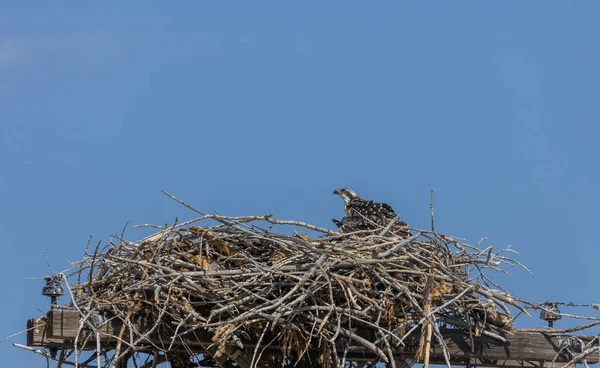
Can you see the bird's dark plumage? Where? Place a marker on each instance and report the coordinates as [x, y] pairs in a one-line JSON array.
[[351, 224], [363, 214]]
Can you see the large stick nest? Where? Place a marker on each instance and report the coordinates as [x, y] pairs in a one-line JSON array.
[[244, 284]]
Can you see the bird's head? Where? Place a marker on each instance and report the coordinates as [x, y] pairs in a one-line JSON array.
[[347, 194]]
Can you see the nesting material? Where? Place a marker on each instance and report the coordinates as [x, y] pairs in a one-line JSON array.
[[243, 283]]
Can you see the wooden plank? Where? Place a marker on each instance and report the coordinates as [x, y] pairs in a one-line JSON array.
[[64, 324], [522, 346], [535, 348], [37, 334]]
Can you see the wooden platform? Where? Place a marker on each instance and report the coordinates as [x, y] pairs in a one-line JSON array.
[[59, 329]]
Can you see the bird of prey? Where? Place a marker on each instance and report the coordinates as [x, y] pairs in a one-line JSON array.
[[362, 214]]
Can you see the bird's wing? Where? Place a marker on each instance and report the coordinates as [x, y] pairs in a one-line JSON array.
[[386, 209], [353, 223], [370, 208]]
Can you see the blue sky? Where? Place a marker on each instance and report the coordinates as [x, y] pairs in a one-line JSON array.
[[267, 107]]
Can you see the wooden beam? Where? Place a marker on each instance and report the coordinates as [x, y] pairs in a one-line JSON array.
[[38, 334], [64, 324], [523, 350]]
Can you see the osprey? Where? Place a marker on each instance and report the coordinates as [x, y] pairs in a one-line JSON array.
[[362, 214]]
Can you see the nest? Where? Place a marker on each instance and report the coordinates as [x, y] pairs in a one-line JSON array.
[[243, 284]]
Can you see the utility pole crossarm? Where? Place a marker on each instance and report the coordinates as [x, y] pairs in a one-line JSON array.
[[524, 349]]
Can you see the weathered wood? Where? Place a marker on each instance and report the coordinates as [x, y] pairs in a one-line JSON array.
[[64, 324], [523, 349], [37, 334]]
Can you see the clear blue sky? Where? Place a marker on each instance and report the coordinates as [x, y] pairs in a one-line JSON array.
[[267, 107]]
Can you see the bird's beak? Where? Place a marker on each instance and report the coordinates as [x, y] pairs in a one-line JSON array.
[[336, 192]]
